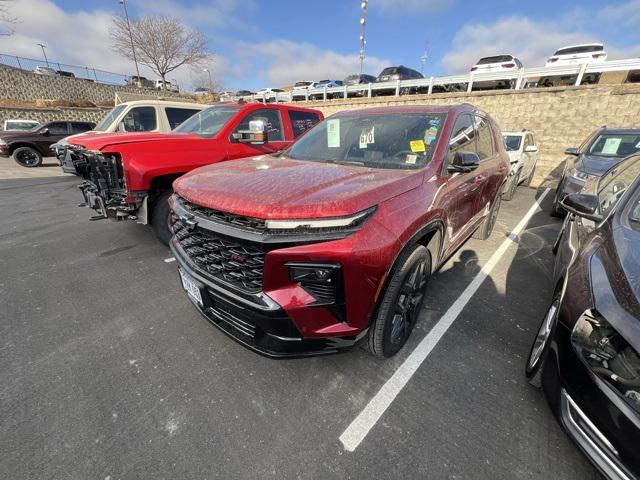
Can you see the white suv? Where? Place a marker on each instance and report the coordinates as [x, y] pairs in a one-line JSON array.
[[577, 55], [495, 64], [523, 153]]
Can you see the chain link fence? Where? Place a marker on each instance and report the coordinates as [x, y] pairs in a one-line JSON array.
[[48, 67]]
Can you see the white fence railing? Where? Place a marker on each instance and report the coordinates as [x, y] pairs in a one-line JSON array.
[[515, 79]]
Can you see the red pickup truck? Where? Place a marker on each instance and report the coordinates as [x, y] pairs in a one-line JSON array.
[[129, 175]]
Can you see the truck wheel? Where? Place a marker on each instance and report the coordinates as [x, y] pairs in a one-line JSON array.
[[484, 230], [160, 217], [27, 157], [508, 195], [527, 182], [401, 303]]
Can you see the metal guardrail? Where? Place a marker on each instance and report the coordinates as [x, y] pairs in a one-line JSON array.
[[85, 73], [516, 79]]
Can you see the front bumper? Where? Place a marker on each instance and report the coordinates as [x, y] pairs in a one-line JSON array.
[[69, 160], [259, 324], [606, 430]]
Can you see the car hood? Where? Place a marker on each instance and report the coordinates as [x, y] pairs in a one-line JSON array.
[[270, 187], [615, 273], [596, 164], [101, 141]]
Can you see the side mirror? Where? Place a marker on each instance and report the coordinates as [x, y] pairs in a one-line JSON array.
[[256, 135], [572, 151], [45, 132], [121, 127], [531, 149], [582, 205], [464, 162]]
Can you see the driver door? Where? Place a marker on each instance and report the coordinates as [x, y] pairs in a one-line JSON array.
[[463, 191], [57, 131], [276, 139]]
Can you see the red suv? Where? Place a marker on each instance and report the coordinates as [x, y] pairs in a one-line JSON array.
[[334, 239], [129, 175]]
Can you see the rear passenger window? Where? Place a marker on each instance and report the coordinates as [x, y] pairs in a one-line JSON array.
[[463, 138], [485, 138], [77, 127], [176, 116], [58, 128], [272, 120], [302, 121], [140, 119]]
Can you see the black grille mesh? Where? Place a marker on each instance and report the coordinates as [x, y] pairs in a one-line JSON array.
[[236, 262], [238, 221]]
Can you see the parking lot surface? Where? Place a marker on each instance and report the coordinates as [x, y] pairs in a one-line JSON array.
[[109, 372], [9, 169]]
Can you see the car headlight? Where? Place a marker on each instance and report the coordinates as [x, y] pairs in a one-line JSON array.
[[322, 224], [608, 355], [2, 142], [574, 172]]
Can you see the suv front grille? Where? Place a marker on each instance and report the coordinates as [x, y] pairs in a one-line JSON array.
[[236, 262], [239, 221]]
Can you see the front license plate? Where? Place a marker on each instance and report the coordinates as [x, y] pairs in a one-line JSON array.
[[191, 287]]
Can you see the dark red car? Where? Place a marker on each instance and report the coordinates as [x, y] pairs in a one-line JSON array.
[[333, 240]]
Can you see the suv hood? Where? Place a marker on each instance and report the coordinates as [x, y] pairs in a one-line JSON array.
[[270, 187], [100, 141], [596, 164]]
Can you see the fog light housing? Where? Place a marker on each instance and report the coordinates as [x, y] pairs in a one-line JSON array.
[[322, 281]]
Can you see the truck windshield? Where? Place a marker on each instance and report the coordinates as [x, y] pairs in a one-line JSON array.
[[398, 141], [109, 118], [209, 122]]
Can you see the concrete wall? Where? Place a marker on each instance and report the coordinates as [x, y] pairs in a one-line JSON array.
[[44, 115], [19, 84], [560, 117]]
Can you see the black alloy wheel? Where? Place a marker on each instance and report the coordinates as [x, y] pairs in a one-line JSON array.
[[540, 347], [27, 157]]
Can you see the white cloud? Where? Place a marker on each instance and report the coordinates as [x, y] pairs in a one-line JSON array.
[[627, 14], [532, 42], [407, 7], [283, 62]]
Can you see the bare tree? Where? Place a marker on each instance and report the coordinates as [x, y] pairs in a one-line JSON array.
[[161, 43], [201, 77], [6, 17]]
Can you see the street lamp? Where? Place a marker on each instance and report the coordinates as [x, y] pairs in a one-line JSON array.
[[210, 81], [424, 57], [363, 24], [133, 48], [43, 46]]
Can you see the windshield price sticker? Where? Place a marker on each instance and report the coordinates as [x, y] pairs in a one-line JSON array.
[[611, 146], [417, 146], [333, 133], [430, 135], [411, 158], [367, 136]]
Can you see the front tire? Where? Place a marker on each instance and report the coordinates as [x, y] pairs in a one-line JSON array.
[[401, 304], [27, 157], [160, 217], [508, 195]]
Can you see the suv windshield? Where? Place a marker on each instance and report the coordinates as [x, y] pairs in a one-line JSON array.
[[209, 122], [109, 118], [512, 142], [583, 49], [496, 59], [399, 141], [389, 71], [615, 145]]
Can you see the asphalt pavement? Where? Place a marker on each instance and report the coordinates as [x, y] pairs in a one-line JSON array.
[[108, 372]]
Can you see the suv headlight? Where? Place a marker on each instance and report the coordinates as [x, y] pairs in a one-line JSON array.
[[608, 355], [2, 142], [331, 224], [574, 172]]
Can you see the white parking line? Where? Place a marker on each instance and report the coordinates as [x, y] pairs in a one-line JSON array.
[[359, 428], [170, 259]]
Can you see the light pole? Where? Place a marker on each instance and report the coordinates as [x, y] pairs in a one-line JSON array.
[[363, 24], [423, 58], [43, 46], [210, 81], [133, 48]]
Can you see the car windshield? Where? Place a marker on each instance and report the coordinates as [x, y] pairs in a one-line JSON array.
[[207, 123], [389, 71], [496, 59], [615, 145], [582, 49], [616, 182], [398, 141], [109, 118], [512, 142]]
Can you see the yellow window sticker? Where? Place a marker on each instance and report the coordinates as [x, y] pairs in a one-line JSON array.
[[417, 146], [333, 133]]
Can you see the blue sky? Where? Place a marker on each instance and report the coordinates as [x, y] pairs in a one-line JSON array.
[[274, 43]]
